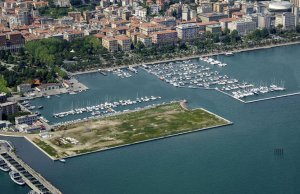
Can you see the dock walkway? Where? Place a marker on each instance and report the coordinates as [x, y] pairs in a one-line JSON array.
[[33, 179]]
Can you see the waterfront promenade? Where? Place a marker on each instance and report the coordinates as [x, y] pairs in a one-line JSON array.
[[33, 179]]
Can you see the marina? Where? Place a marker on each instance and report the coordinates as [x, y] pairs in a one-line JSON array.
[[190, 74]]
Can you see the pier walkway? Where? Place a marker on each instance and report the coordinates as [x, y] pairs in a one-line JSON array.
[[33, 179]]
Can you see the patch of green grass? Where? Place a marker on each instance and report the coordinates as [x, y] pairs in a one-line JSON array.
[[47, 148]]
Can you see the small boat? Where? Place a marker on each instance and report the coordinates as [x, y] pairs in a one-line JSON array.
[[40, 107], [62, 160], [3, 166], [16, 177], [228, 53]]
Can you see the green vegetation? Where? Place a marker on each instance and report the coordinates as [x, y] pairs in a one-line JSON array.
[[131, 127], [47, 148], [3, 85]]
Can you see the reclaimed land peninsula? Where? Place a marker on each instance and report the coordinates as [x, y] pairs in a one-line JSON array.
[[126, 129]]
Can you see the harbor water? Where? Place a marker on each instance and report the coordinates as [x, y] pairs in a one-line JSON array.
[[240, 158]]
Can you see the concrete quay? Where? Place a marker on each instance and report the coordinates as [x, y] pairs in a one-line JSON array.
[[34, 180]]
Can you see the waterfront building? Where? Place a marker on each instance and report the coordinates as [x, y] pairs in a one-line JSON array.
[[48, 87], [146, 40], [164, 37], [28, 128], [124, 42], [287, 20], [265, 21], [110, 43], [187, 31], [243, 26], [208, 17], [4, 124], [26, 119], [24, 88], [148, 28], [9, 108], [214, 29]]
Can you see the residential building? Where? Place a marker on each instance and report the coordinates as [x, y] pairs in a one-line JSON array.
[[154, 9], [208, 17], [73, 34], [75, 15], [214, 29], [110, 43], [164, 37], [124, 42], [26, 119], [242, 26], [205, 8], [287, 20], [12, 41], [188, 31], [24, 88], [266, 21], [148, 28], [48, 87], [146, 40], [166, 21], [9, 108]]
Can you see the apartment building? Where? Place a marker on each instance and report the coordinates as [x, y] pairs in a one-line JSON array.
[[164, 37], [187, 31], [242, 26], [287, 20], [124, 42], [26, 119], [110, 43]]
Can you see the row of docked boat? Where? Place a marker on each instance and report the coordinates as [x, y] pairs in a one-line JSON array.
[[213, 61], [121, 73], [105, 115], [105, 108], [256, 91], [14, 175], [18, 174], [190, 74]]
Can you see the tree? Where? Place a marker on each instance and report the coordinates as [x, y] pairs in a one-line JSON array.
[[298, 28], [234, 36]]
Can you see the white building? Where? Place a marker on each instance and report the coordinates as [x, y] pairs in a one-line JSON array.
[[141, 12], [242, 26]]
